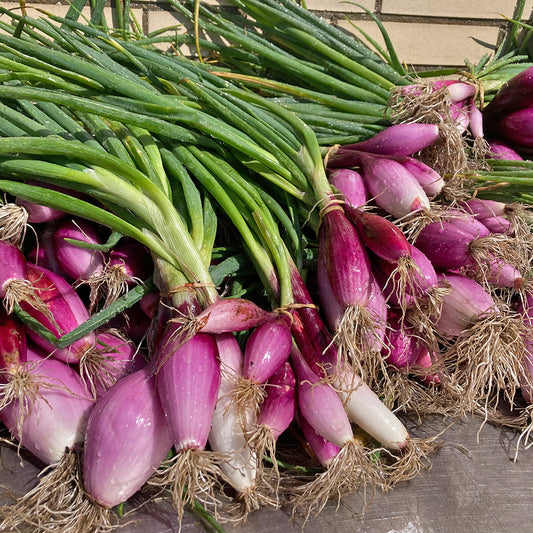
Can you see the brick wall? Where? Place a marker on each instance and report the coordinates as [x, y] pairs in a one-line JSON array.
[[424, 32]]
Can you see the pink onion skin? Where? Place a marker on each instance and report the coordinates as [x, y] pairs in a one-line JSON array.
[[459, 91], [392, 187], [470, 224], [279, 406], [481, 208], [351, 184], [57, 418], [38, 214], [516, 93], [127, 439], [467, 303], [401, 349], [400, 139], [525, 309], [430, 180], [67, 308], [445, 244], [320, 404], [459, 114], [501, 150], [324, 450], [331, 309], [13, 345], [346, 260], [123, 359], [499, 225], [133, 259], [78, 263], [187, 384], [426, 359], [232, 315], [380, 235], [13, 265], [497, 272], [517, 128], [423, 282], [476, 120], [267, 348]]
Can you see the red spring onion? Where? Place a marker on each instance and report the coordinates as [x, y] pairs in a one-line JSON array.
[[400, 349], [12, 347], [266, 350], [77, 262], [53, 417], [498, 224], [66, 309], [275, 415], [117, 463], [465, 304], [188, 379], [230, 428], [324, 450], [487, 355], [380, 235], [38, 214], [459, 90], [392, 187], [445, 244], [278, 408], [15, 288], [320, 404], [430, 180], [421, 285], [128, 263], [517, 128], [351, 184], [482, 208], [346, 261], [515, 94], [501, 150], [120, 358], [231, 315], [400, 139]]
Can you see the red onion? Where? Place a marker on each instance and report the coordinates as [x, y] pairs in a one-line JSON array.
[[127, 439], [430, 180], [229, 428], [400, 139], [498, 224], [381, 236], [231, 315], [12, 346], [445, 244], [267, 348], [52, 418], [66, 308], [188, 379], [345, 258], [37, 214], [78, 263], [278, 408], [392, 187], [501, 150], [120, 358], [515, 94], [466, 303], [517, 128], [351, 184]]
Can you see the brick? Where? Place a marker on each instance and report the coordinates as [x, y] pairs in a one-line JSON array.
[[433, 44], [485, 9]]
